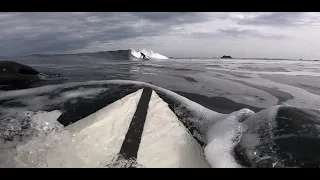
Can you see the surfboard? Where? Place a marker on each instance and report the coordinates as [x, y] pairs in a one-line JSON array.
[[138, 130]]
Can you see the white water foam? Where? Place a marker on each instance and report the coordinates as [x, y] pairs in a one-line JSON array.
[[249, 140], [301, 97], [294, 73], [21, 151], [222, 137], [39, 102], [149, 54], [84, 93]]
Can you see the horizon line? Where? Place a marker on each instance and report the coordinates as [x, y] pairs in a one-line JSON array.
[[171, 57]]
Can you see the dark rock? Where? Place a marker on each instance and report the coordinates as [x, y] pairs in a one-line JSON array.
[[13, 72], [226, 57]]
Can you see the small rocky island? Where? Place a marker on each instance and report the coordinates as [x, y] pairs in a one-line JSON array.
[[226, 57]]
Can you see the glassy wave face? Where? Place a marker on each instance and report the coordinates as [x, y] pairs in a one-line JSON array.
[[241, 114]]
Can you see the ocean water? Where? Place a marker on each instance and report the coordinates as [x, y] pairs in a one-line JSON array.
[[280, 94]]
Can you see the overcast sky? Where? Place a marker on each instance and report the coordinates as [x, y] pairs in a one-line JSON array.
[[180, 34]]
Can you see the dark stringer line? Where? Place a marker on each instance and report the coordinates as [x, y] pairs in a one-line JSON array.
[[131, 143]]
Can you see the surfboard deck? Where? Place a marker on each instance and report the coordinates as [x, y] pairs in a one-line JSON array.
[[138, 128]]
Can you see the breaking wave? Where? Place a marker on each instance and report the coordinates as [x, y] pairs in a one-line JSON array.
[[129, 54], [149, 54]]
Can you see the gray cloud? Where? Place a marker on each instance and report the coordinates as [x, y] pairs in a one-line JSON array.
[[248, 33], [172, 17], [30, 33], [63, 32], [160, 16], [278, 19], [239, 33]]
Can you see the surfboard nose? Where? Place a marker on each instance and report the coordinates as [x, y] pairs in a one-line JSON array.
[[138, 130]]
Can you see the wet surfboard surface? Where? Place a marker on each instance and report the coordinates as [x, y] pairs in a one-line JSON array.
[[138, 130]]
